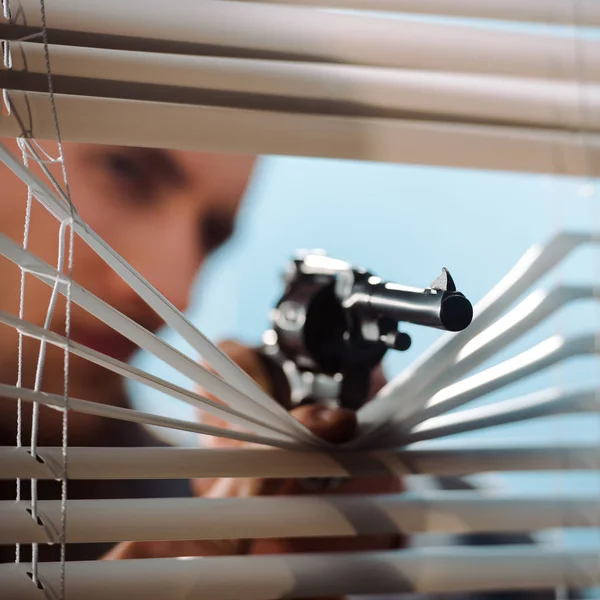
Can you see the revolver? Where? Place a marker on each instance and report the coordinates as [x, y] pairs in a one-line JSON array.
[[335, 322]]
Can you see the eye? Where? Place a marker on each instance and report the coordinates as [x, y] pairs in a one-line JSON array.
[[124, 166], [131, 173]]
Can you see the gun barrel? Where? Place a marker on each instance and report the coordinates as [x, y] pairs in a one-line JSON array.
[[440, 309]]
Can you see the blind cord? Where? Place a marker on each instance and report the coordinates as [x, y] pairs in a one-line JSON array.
[[67, 223], [26, 230]]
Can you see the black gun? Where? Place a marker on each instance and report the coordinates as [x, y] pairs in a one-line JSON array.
[[335, 322]]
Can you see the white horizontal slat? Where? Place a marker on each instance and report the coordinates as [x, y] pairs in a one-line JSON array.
[[185, 463], [582, 13], [292, 517], [307, 88], [252, 30], [137, 123], [533, 406], [304, 576]]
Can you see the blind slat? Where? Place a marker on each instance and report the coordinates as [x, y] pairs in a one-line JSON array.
[[307, 88], [249, 30], [186, 463], [291, 517], [584, 13], [305, 576], [533, 406], [136, 123]]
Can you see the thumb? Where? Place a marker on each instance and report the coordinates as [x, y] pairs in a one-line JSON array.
[[334, 425]]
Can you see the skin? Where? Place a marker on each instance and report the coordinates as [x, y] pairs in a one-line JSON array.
[[164, 212]]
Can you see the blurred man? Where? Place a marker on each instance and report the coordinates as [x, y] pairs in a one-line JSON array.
[[165, 212]]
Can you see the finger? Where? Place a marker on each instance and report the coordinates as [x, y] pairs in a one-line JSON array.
[[334, 425]]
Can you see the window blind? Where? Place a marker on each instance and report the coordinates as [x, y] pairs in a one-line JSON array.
[[295, 80]]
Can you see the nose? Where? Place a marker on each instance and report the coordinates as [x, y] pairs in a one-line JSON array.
[[167, 253]]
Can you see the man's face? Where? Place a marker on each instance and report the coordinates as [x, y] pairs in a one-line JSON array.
[[163, 211]]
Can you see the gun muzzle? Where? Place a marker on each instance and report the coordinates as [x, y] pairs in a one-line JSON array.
[[431, 307], [447, 310]]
